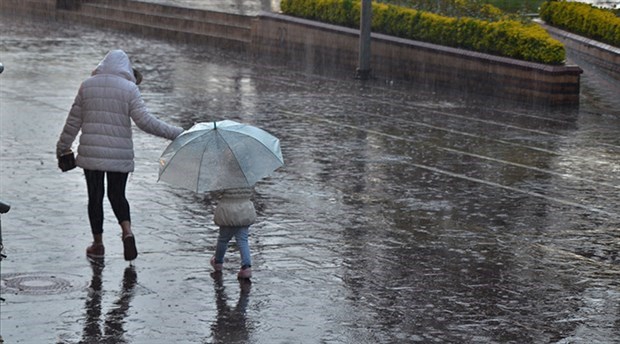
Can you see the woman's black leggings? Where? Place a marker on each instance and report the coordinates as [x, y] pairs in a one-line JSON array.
[[117, 181]]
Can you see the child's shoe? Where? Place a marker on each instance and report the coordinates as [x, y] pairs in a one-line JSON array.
[[245, 273], [216, 266], [95, 250]]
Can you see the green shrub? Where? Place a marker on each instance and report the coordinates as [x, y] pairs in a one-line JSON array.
[[453, 8], [583, 19], [517, 6], [508, 38]]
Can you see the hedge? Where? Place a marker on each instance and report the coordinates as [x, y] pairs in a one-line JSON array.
[[583, 19], [509, 38]]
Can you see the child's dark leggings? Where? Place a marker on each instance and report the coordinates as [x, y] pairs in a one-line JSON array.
[[117, 181]]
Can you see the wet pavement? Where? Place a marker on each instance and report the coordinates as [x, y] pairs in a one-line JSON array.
[[401, 216]]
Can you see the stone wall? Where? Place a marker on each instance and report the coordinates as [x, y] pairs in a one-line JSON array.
[[602, 55]]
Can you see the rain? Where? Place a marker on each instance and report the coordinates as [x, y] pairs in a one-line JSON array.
[[403, 214]]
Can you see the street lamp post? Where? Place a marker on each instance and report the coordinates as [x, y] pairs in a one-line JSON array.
[[363, 70]]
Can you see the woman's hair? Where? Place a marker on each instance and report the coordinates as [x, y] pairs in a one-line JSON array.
[[137, 75]]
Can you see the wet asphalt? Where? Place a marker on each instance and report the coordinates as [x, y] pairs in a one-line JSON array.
[[403, 215]]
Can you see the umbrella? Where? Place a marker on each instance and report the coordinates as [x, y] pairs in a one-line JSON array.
[[220, 155]]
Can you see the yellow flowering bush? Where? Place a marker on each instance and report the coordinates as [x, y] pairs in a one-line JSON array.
[[508, 38], [583, 19]]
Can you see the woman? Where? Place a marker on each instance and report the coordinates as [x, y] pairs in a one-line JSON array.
[[103, 109]]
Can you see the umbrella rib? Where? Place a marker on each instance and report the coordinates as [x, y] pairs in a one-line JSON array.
[[202, 157], [256, 141], [174, 155], [268, 150], [236, 160], [261, 143]]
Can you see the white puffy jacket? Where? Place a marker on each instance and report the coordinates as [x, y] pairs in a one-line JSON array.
[[235, 208], [103, 109]]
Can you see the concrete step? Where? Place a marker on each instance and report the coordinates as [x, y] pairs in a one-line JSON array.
[[176, 23], [31, 7], [174, 11]]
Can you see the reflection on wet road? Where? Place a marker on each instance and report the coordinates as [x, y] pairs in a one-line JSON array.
[[401, 216], [113, 324]]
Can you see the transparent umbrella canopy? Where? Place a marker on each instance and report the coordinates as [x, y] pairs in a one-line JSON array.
[[220, 155]]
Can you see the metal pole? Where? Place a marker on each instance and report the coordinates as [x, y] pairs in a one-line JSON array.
[[363, 70]]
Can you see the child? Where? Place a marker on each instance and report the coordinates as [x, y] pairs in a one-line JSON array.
[[234, 214]]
